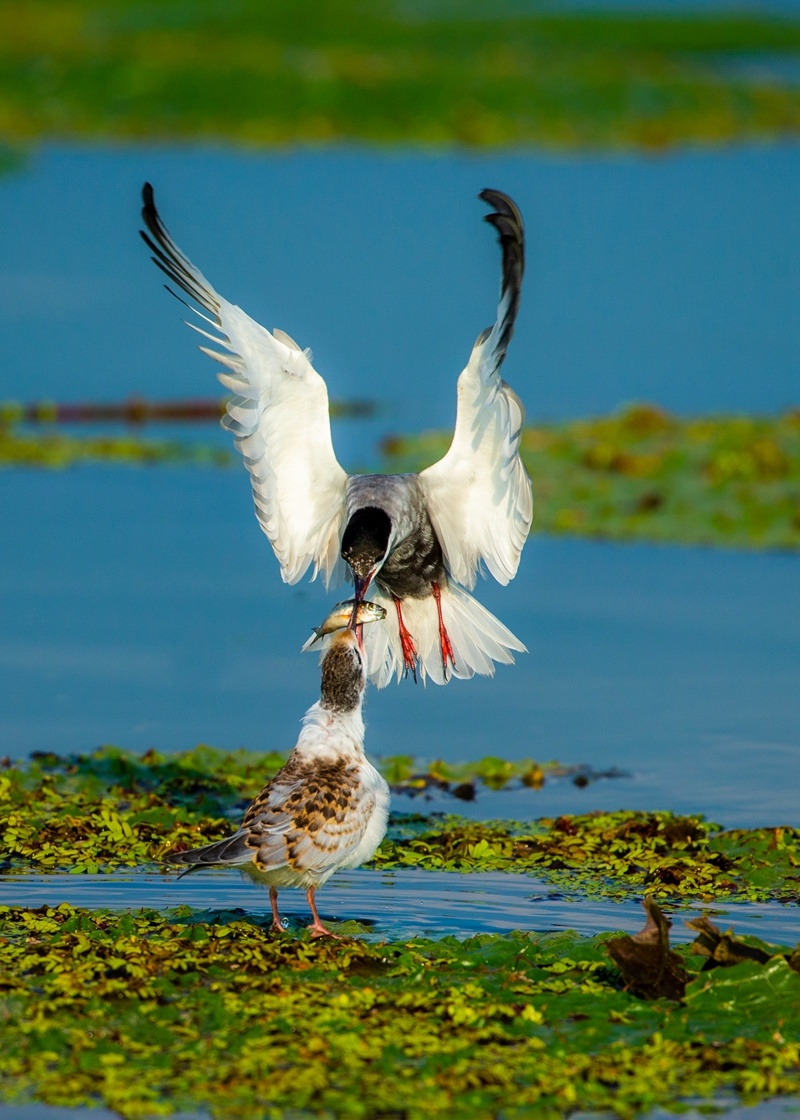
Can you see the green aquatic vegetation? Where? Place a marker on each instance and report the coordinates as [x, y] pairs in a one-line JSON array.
[[641, 474], [307, 72], [150, 1013], [137, 411], [644, 474], [55, 450], [31, 434], [611, 854], [111, 809], [464, 780]]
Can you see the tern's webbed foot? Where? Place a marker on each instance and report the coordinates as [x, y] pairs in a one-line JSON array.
[[317, 929]]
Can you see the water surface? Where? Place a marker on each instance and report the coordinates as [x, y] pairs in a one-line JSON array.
[[672, 278], [144, 608], [395, 905]]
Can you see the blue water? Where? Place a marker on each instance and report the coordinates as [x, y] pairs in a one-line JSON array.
[[397, 904], [672, 279], [144, 607]]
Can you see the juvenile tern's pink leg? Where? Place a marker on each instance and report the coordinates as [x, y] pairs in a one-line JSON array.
[[317, 929], [276, 926]]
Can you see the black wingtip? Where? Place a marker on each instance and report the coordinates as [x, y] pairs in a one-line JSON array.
[[149, 211], [167, 256], [502, 203], [507, 221], [150, 215]]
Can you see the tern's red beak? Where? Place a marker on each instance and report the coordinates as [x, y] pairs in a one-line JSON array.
[[361, 586]]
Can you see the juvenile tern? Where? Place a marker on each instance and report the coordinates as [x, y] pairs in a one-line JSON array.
[[325, 810], [422, 538]]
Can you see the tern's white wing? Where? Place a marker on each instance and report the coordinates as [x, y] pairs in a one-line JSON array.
[[479, 495], [279, 419]]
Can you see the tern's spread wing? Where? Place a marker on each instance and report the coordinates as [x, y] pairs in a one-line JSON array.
[[279, 418], [479, 494]]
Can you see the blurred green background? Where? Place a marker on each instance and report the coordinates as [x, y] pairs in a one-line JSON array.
[[433, 74]]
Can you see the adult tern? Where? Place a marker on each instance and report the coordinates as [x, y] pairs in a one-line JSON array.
[[422, 538], [325, 810]]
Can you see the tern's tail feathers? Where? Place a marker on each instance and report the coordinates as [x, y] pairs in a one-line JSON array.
[[233, 849], [477, 637]]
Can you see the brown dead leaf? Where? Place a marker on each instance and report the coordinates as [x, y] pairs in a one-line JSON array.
[[722, 949], [650, 968]]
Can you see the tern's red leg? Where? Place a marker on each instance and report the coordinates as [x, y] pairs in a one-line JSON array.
[[317, 929], [445, 644], [407, 642], [276, 927]]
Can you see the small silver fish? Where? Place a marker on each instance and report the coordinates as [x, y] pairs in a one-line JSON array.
[[340, 617]]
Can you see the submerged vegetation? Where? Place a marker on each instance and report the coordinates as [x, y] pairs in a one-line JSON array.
[[45, 434], [150, 1013], [310, 72], [640, 474], [109, 809]]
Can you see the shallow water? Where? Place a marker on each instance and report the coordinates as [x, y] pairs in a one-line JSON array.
[[669, 278], [144, 608], [394, 905], [767, 1110]]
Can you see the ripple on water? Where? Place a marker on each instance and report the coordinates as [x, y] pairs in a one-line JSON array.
[[395, 904]]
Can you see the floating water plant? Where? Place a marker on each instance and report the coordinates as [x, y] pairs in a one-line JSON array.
[[644, 474], [150, 1013], [98, 812], [641, 474], [55, 450]]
